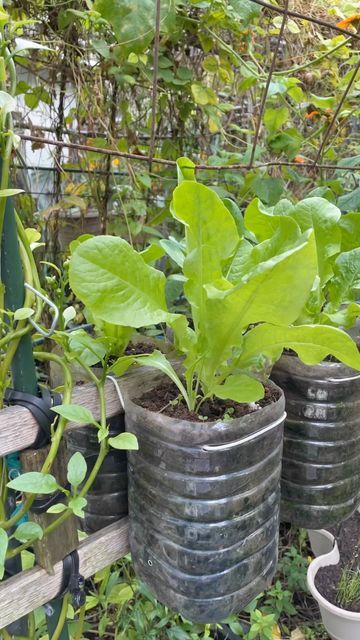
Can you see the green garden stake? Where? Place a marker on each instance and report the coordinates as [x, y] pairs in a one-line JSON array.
[[24, 376]]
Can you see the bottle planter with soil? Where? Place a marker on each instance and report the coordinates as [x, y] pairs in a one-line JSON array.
[[334, 582], [321, 470], [204, 503], [321, 464], [204, 487]]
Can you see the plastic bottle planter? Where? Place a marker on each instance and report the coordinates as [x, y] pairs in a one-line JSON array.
[[204, 508], [107, 499], [339, 623], [321, 462]]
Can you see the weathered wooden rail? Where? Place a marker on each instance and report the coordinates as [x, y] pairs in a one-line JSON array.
[[30, 589], [18, 428]]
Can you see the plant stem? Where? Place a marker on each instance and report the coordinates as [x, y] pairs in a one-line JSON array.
[[100, 384], [80, 627], [300, 67], [32, 626], [12, 70], [23, 238], [62, 619], [56, 436], [64, 516]]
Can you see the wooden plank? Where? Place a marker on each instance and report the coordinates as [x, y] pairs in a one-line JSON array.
[[30, 589], [60, 542], [18, 428]]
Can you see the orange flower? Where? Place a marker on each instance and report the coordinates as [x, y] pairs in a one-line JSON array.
[[343, 24], [299, 159], [312, 114]]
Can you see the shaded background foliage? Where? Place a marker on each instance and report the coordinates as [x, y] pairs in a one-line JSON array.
[[96, 87]]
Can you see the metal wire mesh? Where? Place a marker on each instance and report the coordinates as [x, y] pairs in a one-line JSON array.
[[315, 165]]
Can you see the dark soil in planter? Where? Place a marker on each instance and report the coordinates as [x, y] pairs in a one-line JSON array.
[[163, 399], [138, 348], [327, 578]]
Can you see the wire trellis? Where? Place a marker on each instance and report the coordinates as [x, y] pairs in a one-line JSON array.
[[150, 159], [172, 163]]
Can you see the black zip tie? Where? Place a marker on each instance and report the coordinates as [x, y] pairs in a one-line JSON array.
[[41, 505], [72, 581], [40, 408]]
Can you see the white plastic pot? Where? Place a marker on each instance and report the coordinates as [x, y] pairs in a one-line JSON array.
[[340, 624], [321, 541]]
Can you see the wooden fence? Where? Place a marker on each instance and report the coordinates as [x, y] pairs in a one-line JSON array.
[[24, 592]]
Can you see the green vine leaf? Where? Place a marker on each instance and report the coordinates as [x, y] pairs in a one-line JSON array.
[[76, 469], [125, 441], [28, 531], [57, 508], [75, 413], [34, 482], [23, 314], [77, 506]]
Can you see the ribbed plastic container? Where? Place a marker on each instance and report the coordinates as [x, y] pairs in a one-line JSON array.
[[204, 508], [107, 499], [321, 461]]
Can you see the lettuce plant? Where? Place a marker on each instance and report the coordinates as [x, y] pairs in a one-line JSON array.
[[244, 299], [336, 287]]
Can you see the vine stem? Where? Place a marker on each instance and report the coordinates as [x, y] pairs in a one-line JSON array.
[[267, 85], [62, 618], [55, 439], [64, 516], [155, 83], [310, 63], [81, 620], [100, 384]]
